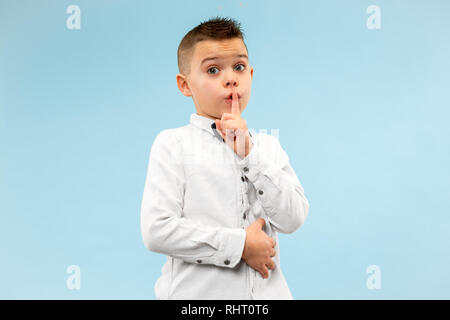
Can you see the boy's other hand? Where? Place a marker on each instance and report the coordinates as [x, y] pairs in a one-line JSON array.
[[233, 128], [259, 249]]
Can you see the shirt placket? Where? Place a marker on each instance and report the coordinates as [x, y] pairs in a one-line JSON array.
[[245, 222], [244, 206]]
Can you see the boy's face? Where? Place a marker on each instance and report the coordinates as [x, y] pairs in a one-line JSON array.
[[211, 81]]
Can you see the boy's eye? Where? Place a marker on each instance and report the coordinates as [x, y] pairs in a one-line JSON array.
[[212, 69], [243, 66], [239, 69]]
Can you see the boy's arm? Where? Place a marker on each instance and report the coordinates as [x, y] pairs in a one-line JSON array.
[[163, 227], [277, 186]]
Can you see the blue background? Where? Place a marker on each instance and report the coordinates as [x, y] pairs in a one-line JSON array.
[[363, 115]]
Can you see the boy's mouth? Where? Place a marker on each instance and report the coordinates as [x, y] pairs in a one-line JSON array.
[[230, 97]]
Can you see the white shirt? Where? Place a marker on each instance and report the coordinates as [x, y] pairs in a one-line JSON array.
[[199, 197]]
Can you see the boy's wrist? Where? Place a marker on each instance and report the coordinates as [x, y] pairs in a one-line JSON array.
[[244, 251]]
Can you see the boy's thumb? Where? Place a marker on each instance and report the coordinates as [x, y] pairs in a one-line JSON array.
[[261, 222]]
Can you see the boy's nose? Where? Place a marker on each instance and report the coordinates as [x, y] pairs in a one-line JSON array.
[[233, 83], [231, 80]]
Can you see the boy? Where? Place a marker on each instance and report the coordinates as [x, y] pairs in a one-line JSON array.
[[215, 195]]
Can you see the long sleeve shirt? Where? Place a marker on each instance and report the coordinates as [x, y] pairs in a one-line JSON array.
[[200, 196]]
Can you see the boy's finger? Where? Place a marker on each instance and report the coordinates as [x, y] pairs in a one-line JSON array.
[[235, 104], [219, 127], [229, 137], [229, 128], [227, 116], [273, 253], [229, 132], [222, 127], [265, 272], [271, 265], [240, 144]]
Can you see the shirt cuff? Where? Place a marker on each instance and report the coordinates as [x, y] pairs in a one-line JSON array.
[[232, 247], [259, 171]]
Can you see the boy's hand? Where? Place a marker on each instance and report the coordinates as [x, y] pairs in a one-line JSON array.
[[259, 249], [234, 130]]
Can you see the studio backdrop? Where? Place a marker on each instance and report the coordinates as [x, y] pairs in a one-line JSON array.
[[356, 92]]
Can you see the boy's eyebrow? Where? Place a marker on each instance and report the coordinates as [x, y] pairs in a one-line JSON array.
[[214, 58]]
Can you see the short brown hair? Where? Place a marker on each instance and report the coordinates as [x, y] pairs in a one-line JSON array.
[[214, 29]]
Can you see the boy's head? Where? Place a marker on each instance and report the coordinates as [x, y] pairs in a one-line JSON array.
[[211, 81]]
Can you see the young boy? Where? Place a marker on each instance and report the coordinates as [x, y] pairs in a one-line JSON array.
[[215, 195]]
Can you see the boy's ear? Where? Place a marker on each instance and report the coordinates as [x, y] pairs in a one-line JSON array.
[[183, 85]]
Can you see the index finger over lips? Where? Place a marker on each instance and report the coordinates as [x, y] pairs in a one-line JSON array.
[[235, 104]]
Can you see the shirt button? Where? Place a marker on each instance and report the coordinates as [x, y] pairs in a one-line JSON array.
[[227, 262], [199, 261], [244, 216], [261, 192], [242, 178], [245, 169]]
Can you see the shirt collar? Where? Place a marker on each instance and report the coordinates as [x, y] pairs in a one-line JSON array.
[[202, 122], [207, 124]]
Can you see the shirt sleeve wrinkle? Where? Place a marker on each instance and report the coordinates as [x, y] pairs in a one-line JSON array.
[[277, 186], [163, 227]]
